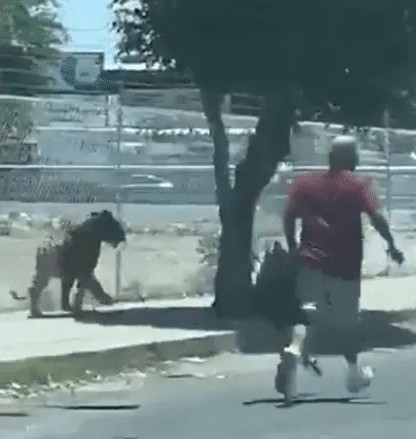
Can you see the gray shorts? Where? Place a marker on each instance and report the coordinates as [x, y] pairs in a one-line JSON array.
[[337, 301]]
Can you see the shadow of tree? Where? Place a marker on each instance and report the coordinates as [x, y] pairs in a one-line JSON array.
[[380, 329]]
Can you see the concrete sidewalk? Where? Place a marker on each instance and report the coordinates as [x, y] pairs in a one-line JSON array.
[[60, 349], [122, 335], [389, 294], [23, 338]]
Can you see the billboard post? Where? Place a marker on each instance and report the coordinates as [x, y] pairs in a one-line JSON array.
[[118, 194]]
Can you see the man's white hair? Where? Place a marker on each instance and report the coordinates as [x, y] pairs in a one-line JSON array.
[[344, 141], [343, 153]]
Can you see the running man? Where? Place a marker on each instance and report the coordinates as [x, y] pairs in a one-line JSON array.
[[329, 204]]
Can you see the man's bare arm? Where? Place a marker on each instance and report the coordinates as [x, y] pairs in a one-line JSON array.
[[381, 225], [369, 204]]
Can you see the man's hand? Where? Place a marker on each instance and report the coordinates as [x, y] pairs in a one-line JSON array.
[[396, 255]]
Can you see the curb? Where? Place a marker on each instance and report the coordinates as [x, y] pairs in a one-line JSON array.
[[11, 408], [78, 366]]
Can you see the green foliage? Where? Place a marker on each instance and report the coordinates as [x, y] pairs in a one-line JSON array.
[[29, 39], [30, 36], [32, 24], [358, 55]]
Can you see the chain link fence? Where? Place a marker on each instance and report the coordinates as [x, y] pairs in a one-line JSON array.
[[37, 201], [65, 156], [83, 153]]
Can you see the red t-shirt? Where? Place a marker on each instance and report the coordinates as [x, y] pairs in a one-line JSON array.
[[330, 204]]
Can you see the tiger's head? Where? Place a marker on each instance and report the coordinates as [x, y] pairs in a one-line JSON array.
[[105, 228]]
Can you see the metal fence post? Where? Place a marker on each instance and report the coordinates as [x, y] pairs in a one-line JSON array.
[[387, 153], [388, 159], [118, 264], [107, 111]]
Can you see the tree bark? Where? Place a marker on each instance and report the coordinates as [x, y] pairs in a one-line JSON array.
[[212, 103], [237, 205]]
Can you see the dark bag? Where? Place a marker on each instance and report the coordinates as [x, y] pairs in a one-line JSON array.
[[275, 288]]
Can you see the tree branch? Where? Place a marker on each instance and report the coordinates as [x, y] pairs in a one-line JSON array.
[[271, 142]]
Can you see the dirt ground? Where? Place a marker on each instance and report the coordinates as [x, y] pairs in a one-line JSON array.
[[152, 267]]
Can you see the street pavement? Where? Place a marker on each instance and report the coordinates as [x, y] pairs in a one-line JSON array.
[[166, 186], [191, 191], [232, 396]]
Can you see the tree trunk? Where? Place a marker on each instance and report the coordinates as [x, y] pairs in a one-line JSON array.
[[237, 205], [233, 285]]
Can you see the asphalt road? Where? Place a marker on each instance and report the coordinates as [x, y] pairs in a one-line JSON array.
[[167, 186], [189, 197], [232, 397], [158, 187]]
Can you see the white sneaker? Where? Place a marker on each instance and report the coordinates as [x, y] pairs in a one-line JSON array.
[[285, 379], [359, 378]]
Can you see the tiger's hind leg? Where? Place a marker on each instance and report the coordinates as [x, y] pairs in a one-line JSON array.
[[82, 285], [66, 284], [39, 283], [79, 298]]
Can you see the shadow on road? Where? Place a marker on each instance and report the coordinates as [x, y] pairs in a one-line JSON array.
[[255, 336], [311, 399]]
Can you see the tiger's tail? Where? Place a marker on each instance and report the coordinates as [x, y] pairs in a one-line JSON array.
[[39, 269]]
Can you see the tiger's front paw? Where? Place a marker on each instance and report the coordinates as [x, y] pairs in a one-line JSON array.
[[35, 313], [107, 300]]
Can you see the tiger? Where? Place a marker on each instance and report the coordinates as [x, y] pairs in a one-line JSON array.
[[74, 258]]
